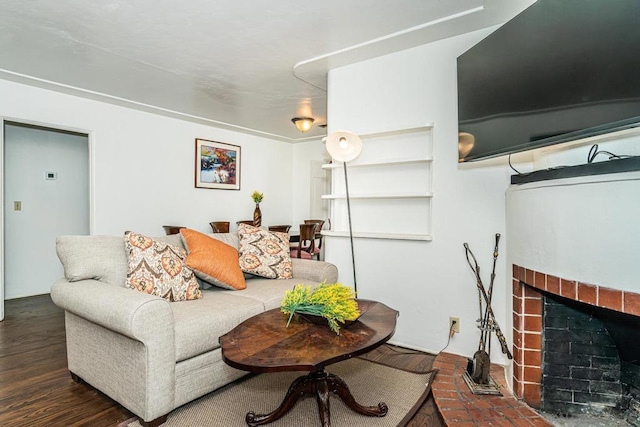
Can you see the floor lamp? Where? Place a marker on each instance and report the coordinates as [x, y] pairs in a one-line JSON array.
[[343, 147]]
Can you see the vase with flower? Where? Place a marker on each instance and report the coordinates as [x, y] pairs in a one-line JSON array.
[[257, 213]]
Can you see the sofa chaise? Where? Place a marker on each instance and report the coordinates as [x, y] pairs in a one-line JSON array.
[[147, 353]]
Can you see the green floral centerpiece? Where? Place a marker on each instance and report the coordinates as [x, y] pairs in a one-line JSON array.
[[334, 302], [257, 196]]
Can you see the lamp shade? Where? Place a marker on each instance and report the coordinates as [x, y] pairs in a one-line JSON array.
[[344, 146]]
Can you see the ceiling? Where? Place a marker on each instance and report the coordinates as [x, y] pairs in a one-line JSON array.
[[245, 65]]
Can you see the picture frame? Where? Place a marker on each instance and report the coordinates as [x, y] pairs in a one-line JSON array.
[[217, 165]]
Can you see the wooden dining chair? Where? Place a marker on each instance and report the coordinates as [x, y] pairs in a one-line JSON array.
[[305, 247], [219, 226], [280, 228], [318, 235], [246, 221], [172, 229], [315, 221]]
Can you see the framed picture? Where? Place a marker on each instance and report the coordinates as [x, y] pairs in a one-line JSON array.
[[217, 165]]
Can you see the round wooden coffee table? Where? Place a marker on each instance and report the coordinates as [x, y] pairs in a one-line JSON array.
[[263, 343]]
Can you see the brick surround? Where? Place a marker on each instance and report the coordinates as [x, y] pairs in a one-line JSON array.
[[527, 321]]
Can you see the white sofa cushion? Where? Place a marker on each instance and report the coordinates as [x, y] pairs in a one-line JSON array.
[[198, 324]]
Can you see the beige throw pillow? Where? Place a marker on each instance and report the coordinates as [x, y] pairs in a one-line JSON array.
[[264, 253], [159, 269]]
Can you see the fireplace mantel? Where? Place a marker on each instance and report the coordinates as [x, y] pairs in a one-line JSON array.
[[599, 168]]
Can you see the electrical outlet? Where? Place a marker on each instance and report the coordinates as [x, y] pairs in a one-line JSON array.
[[454, 324]]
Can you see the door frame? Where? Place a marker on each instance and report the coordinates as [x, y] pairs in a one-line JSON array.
[[54, 127], [316, 166]]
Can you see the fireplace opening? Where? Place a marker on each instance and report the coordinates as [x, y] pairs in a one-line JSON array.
[[590, 361]]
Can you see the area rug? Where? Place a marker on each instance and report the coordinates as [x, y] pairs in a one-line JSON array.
[[370, 383]]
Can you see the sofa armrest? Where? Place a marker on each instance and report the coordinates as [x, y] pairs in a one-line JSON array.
[[317, 271], [135, 314], [148, 372]]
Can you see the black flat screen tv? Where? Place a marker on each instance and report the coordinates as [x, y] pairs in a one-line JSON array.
[[559, 71]]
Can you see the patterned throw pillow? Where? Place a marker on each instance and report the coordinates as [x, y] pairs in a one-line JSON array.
[[213, 261], [158, 268], [264, 253]]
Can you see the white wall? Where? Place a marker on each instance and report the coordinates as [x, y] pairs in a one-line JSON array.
[[143, 164], [49, 208], [425, 281]]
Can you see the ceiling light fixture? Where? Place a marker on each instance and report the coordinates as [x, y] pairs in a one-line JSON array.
[[303, 123]]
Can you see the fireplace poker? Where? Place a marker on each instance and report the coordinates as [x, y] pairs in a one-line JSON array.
[[476, 269], [496, 327], [480, 363], [490, 294]]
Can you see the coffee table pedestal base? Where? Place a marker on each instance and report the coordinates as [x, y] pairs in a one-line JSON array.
[[318, 384]]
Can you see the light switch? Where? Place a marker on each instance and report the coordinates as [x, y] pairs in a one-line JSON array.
[[17, 206]]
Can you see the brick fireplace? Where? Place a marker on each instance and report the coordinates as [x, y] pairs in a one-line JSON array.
[[529, 290]]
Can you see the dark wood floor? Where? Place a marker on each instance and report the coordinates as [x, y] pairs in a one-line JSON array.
[[36, 389]]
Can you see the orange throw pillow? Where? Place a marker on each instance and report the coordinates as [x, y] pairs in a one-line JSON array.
[[213, 261]]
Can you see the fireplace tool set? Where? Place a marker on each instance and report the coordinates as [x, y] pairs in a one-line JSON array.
[[479, 366]]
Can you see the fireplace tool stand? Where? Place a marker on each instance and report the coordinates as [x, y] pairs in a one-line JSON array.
[[477, 374]]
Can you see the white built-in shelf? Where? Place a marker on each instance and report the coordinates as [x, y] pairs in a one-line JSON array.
[[387, 187], [389, 236], [381, 163], [379, 196]]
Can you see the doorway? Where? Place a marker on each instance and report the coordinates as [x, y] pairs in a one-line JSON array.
[[46, 194], [320, 185]]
